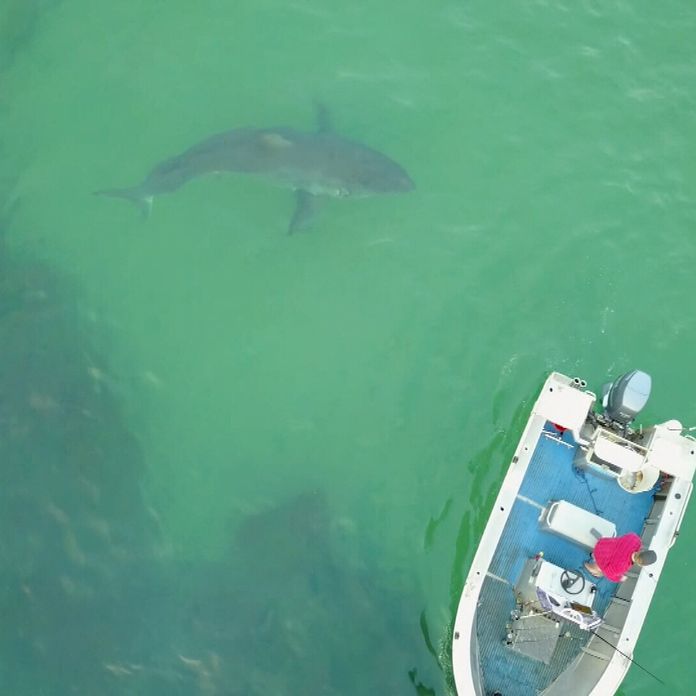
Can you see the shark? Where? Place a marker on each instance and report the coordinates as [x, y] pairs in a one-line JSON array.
[[315, 165]]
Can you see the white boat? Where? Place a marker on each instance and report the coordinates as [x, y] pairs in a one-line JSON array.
[[531, 620]]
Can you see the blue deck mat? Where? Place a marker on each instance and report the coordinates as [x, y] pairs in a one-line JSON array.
[[551, 476]]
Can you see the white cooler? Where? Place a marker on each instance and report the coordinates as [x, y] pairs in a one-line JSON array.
[[575, 524]]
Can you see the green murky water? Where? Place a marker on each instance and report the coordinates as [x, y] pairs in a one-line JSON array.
[[297, 438]]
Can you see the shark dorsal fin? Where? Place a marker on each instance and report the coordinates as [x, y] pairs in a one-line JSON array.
[[324, 123]]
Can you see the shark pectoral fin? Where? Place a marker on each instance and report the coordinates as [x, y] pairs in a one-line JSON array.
[[323, 118], [305, 206], [146, 206], [7, 213]]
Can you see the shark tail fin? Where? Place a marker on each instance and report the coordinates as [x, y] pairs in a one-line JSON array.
[[144, 203]]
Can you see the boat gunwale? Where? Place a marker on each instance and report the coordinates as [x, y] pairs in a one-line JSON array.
[[465, 644]]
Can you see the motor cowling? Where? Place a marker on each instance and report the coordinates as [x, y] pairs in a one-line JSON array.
[[625, 397]]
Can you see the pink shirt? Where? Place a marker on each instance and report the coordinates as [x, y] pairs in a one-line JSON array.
[[614, 555]]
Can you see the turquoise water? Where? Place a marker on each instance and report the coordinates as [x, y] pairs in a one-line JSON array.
[[333, 409]]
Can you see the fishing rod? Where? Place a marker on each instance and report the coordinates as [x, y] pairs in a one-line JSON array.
[[647, 671]]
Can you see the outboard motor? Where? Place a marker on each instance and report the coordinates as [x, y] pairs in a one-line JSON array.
[[625, 397]]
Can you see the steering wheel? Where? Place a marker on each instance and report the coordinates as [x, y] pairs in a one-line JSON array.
[[572, 581]]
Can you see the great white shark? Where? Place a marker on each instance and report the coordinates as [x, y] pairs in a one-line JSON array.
[[313, 164]]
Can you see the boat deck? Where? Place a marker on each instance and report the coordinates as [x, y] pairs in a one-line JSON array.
[[550, 476]]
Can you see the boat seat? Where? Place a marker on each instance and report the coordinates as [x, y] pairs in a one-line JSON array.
[[575, 524]]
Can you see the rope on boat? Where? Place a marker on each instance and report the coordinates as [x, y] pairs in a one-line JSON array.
[[581, 475], [630, 659]]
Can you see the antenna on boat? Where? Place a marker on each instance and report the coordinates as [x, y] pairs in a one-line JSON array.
[[630, 659]]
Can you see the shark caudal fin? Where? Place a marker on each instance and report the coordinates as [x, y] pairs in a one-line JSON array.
[[134, 195]]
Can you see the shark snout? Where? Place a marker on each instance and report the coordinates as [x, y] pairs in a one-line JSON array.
[[397, 179], [399, 183], [393, 180], [406, 183]]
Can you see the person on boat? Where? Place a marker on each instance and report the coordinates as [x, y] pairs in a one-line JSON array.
[[613, 556]]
